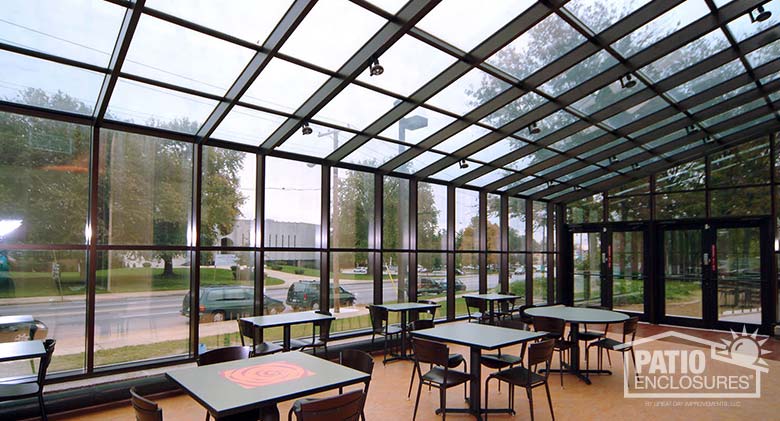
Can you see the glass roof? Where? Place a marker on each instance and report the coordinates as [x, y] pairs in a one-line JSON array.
[[520, 84]]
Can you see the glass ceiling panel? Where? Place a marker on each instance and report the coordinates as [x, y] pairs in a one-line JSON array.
[[283, 86], [702, 83], [680, 150], [419, 162], [605, 97], [516, 183], [514, 110], [374, 153], [636, 112], [721, 98], [41, 83], [151, 106], [410, 64], [461, 139], [767, 79], [557, 166], [355, 107], [742, 27], [746, 125], [249, 20], [613, 144], [579, 172], [468, 92], [692, 53], [599, 15], [666, 139], [577, 139], [454, 171], [734, 112], [539, 46], [179, 56], [560, 193], [531, 159], [247, 126], [599, 179], [774, 96], [764, 54], [321, 143], [490, 177], [499, 149], [331, 33], [465, 24], [650, 128], [536, 189], [83, 30], [661, 27], [550, 124], [584, 70], [417, 125]]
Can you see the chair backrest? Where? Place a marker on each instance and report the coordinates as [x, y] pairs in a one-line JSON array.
[[430, 352], [422, 324], [431, 311], [347, 407], [629, 328], [357, 360], [512, 324], [220, 355], [472, 302], [552, 325], [247, 329], [145, 410], [48, 345], [378, 317], [540, 352]]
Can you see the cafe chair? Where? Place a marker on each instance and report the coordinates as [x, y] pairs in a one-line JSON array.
[[528, 378], [431, 311], [221, 355], [346, 407], [480, 313], [500, 361], [380, 325], [439, 376], [360, 361], [320, 335], [555, 329], [259, 347], [145, 410], [589, 334], [30, 389], [609, 344], [453, 361]]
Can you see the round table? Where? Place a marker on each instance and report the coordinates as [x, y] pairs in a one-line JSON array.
[[574, 316]]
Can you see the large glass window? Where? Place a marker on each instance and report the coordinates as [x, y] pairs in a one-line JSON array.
[[540, 226], [351, 208], [466, 219], [517, 227], [292, 204], [395, 215], [227, 212], [586, 210], [351, 289], [431, 216], [432, 279], [517, 274], [292, 278], [466, 279]]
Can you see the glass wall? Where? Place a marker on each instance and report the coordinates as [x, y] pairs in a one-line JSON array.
[[431, 216]]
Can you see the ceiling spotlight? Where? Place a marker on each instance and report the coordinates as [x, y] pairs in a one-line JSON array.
[[627, 81], [691, 129], [550, 184], [761, 14], [635, 166], [706, 139], [613, 159], [533, 128], [306, 129], [375, 68], [463, 164]]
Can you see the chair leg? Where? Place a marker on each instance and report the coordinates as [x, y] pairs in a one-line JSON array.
[[587, 362], [42, 406], [411, 382], [417, 401], [549, 400], [560, 362], [633, 359], [486, 396], [208, 416], [443, 402], [530, 394]]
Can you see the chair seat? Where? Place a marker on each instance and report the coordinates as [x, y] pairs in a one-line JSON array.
[[518, 376], [608, 343], [20, 390], [562, 344], [454, 360], [267, 348], [496, 361], [454, 378], [299, 343], [590, 335], [392, 330]]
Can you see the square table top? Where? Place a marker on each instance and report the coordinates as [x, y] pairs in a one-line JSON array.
[[492, 296], [22, 350], [16, 319], [287, 319], [239, 386], [408, 306], [477, 335]]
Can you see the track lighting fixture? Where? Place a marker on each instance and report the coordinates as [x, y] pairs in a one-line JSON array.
[[463, 164], [375, 68], [760, 14], [635, 166], [613, 159], [627, 81], [550, 184], [533, 128], [691, 129], [306, 129]]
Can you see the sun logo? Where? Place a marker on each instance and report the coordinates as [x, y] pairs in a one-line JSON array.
[[745, 349]]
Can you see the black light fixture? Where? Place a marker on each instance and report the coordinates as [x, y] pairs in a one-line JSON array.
[[306, 129], [613, 159], [375, 68], [627, 81], [691, 129], [463, 164], [533, 128], [760, 14], [635, 166], [706, 139]]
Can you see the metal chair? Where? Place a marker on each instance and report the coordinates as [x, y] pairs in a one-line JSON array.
[[381, 326], [588, 335], [500, 361], [439, 376], [480, 315], [361, 361], [609, 344], [538, 353], [259, 347], [14, 391], [346, 407], [145, 410], [453, 361], [221, 355], [319, 340], [555, 329]]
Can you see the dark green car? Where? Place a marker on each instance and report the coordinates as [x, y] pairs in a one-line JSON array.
[[221, 303], [305, 295]]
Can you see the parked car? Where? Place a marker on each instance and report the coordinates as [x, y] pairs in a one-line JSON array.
[[219, 303], [428, 286], [460, 285], [15, 332], [305, 295], [360, 270]]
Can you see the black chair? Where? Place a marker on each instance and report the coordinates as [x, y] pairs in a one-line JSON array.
[[14, 391], [480, 313], [259, 347], [439, 376], [528, 378], [221, 355], [361, 361], [454, 359], [319, 339], [588, 334], [609, 344], [431, 311], [555, 330], [500, 361], [346, 407], [145, 410], [380, 325]]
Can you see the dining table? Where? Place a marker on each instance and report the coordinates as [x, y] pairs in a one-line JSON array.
[[404, 309], [490, 299], [286, 321]]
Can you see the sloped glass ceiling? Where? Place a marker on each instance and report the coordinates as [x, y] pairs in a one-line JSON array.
[[518, 90]]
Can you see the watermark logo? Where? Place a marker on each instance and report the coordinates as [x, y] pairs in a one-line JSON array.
[[674, 365]]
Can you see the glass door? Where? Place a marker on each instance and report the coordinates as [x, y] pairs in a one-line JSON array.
[[682, 273], [587, 260], [739, 276], [628, 271]]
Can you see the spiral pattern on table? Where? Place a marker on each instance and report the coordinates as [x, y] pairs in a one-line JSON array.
[[266, 374]]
